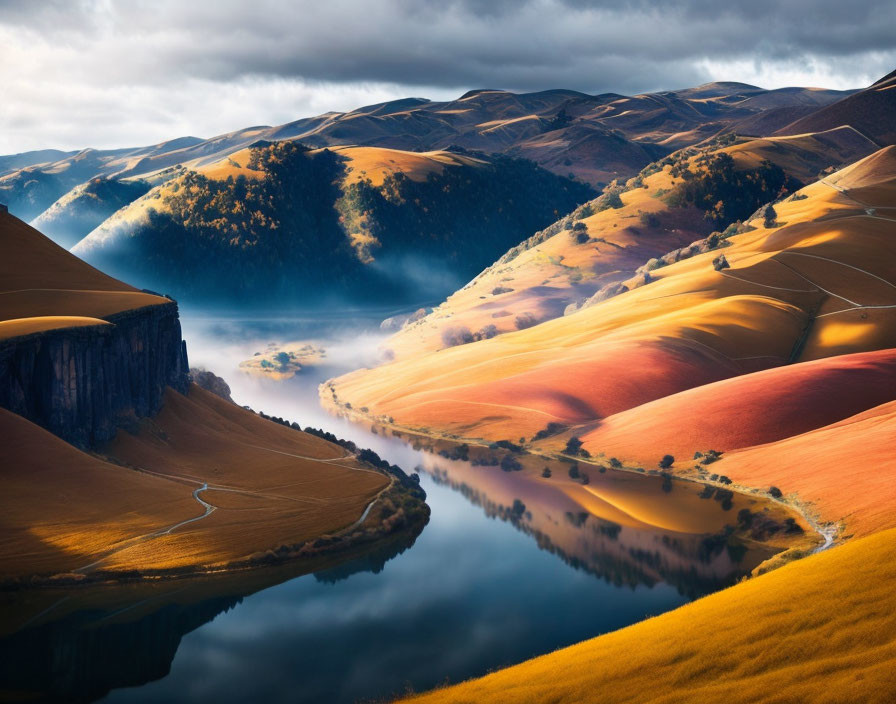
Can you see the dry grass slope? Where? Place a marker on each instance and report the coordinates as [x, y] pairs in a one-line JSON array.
[[818, 630]]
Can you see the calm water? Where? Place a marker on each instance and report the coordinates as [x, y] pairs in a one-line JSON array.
[[483, 586]]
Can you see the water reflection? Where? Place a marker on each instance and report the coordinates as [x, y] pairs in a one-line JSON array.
[[510, 566], [76, 645]]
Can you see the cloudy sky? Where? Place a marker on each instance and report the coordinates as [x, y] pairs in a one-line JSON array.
[[104, 73]]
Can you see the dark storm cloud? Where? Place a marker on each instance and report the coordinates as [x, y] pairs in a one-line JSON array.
[[72, 64], [590, 45]]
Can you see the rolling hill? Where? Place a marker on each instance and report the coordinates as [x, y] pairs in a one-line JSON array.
[[280, 221], [652, 220], [870, 111], [802, 302], [152, 479]]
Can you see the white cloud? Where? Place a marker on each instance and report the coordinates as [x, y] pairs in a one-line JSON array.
[[104, 73]]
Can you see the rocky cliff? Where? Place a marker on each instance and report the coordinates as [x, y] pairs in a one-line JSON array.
[[85, 383]]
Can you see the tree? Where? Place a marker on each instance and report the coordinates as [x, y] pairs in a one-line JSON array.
[[282, 358], [573, 445], [667, 461], [546, 472], [775, 492], [771, 217]]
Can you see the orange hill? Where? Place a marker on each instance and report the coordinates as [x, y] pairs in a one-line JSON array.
[[748, 410], [816, 283]]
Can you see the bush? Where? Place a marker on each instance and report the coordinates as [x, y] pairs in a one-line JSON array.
[[573, 445], [574, 472], [457, 335], [509, 463], [487, 332], [551, 429], [525, 320], [771, 216], [667, 461], [775, 492], [282, 359], [546, 472], [615, 463]]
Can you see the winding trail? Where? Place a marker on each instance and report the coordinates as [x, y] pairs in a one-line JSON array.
[[210, 508]]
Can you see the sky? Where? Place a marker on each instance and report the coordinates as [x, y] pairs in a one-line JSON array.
[[104, 73]]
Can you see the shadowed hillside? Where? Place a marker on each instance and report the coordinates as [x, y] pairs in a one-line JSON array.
[[284, 222], [870, 111]]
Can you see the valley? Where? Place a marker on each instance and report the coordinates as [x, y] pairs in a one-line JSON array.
[[520, 396]]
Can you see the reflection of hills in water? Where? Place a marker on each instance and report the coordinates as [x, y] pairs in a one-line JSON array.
[[565, 521], [79, 644]]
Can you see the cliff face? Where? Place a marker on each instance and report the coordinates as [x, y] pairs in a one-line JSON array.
[[83, 384]]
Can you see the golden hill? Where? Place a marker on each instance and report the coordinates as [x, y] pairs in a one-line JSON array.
[[603, 243], [815, 283], [818, 630], [39, 279], [171, 492], [73, 512]]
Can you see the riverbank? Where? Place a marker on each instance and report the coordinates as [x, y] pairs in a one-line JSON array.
[[785, 527]]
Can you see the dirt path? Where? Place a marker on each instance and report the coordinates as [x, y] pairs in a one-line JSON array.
[[210, 508]]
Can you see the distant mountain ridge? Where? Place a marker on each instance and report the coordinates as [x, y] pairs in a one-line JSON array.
[[596, 139]]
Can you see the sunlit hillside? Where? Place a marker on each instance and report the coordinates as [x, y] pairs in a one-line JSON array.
[[721, 331], [119, 504], [818, 630], [655, 218]]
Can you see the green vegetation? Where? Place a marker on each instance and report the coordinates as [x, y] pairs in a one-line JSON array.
[[726, 194]]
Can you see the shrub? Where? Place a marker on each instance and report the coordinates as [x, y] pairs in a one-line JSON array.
[[615, 463], [791, 526], [546, 472], [487, 332], [458, 335], [551, 429], [667, 461], [574, 472], [771, 216], [649, 219], [573, 445], [509, 463], [282, 359], [775, 492], [519, 508], [525, 320]]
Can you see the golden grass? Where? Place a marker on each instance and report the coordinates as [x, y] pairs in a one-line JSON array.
[[41, 280], [801, 290], [376, 163], [66, 509], [818, 630], [27, 326]]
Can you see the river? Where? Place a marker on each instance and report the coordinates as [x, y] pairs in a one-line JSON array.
[[505, 570]]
